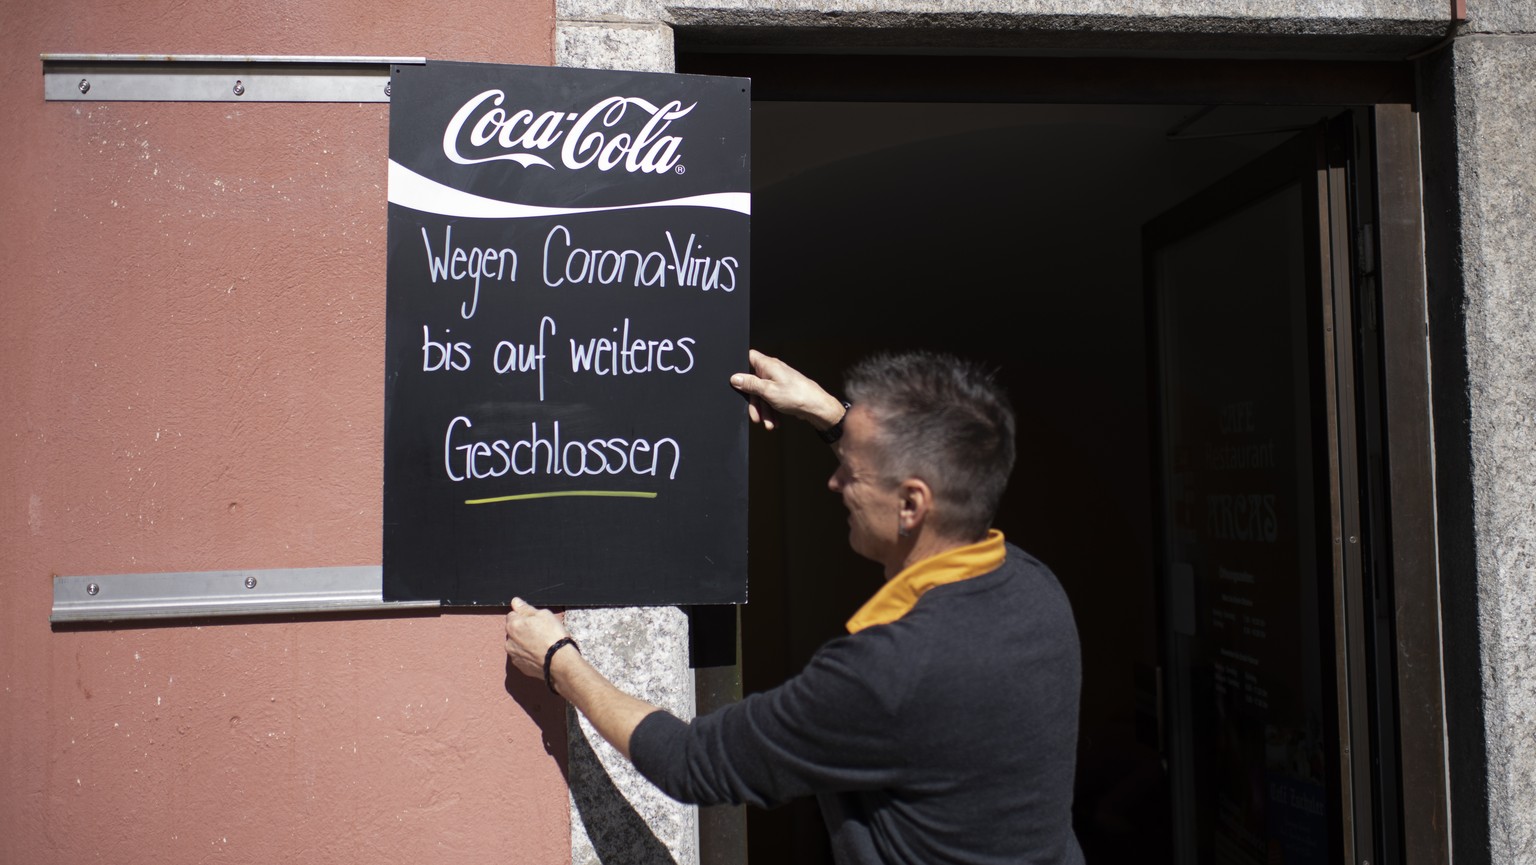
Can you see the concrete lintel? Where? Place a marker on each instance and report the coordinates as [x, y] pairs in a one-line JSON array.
[[1360, 17], [641, 47], [1507, 17], [1377, 29]]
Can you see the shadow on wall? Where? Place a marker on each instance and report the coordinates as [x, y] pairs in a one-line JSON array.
[[546, 711]]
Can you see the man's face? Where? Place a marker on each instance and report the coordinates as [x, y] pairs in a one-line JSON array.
[[873, 505]]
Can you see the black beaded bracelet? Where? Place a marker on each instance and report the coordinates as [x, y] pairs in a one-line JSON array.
[[831, 434], [549, 657]]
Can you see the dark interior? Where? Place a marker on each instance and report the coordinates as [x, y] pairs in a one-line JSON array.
[[1009, 233]]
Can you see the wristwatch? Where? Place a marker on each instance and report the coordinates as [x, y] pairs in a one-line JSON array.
[[831, 434]]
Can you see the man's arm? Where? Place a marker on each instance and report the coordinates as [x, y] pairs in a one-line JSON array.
[[831, 727], [615, 714], [774, 387]]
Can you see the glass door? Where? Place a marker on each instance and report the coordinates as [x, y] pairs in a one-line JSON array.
[[1256, 519]]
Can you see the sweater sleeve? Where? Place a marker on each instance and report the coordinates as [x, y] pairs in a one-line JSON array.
[[830, 728]]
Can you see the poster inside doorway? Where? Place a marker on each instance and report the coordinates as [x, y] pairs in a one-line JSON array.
[[567, 298], [1245, 516]]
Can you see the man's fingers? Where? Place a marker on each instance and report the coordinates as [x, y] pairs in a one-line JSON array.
[[530, 631], [760, 411], [775, 388], [521, 617], [748, 384], [761, 363], [767, 415]]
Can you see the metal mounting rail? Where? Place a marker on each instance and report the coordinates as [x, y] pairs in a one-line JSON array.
[[217, 78], [220, 78], [198, 594]]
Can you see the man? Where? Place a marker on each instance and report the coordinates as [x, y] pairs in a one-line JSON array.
[[944, 727]]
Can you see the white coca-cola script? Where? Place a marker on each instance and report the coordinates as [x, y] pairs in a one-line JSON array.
[[620, 131]]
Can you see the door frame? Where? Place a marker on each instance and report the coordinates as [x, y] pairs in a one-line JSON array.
[[1413, 548], [1391, 250]]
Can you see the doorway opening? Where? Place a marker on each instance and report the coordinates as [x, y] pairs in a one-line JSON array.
[[1010, 232]]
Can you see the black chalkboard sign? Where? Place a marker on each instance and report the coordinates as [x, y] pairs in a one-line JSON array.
[[567, 298]]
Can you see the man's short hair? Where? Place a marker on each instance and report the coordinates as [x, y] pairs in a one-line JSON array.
[[943, 420]]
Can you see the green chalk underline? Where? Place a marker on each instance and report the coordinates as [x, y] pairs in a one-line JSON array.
[[619, 494]]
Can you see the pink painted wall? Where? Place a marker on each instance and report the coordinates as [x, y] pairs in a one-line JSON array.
[[192, 345]]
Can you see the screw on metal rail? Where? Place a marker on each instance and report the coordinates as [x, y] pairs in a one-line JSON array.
[[92, 589], [239, 88], [84, 85], [387, 86], [250, 582]]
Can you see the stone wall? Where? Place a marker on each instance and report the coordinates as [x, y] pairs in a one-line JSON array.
[[1480, 97], [1492, 71]]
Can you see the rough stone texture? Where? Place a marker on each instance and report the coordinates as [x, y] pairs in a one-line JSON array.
[[1495, 80], [617, 817], [610, 10], [614, 45], [1366, 27], [1495, 97], [1325, 14], [1501, 16]]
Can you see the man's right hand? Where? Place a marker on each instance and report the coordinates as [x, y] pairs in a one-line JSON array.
[[530, 633], [775, 388]]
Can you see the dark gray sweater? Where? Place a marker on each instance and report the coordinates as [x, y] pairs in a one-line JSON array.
[[949, 735]]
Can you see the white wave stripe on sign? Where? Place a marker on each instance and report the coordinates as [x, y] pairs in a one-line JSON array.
[[409, 189]]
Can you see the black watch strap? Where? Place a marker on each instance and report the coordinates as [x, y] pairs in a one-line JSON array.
[[831, 434], [549, 658]]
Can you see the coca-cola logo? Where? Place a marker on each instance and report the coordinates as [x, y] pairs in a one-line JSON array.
[[620, 131]]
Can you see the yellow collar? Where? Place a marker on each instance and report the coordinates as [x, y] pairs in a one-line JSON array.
[[900, 593]]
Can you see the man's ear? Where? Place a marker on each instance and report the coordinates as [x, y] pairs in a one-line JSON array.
[[916, 504]]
